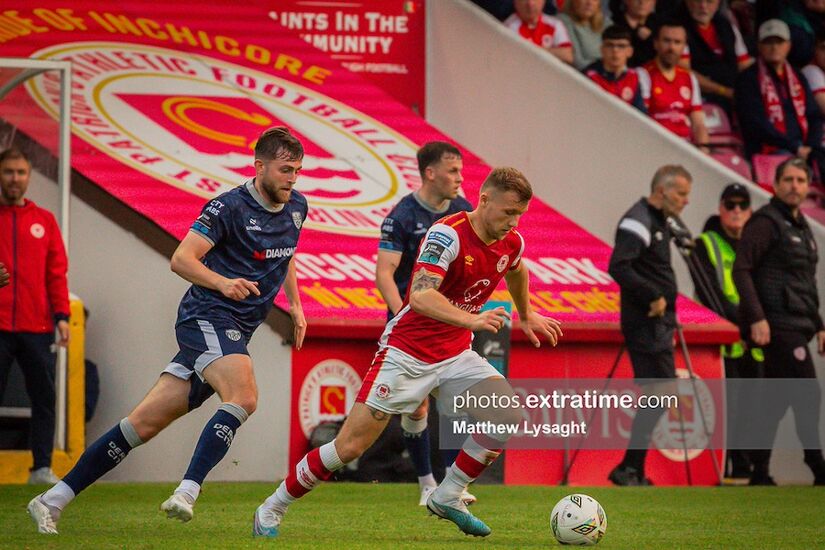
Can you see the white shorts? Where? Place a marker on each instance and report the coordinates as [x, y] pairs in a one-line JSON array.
[[397, 383]]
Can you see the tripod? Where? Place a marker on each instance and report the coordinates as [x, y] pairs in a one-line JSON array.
[[684, 243]]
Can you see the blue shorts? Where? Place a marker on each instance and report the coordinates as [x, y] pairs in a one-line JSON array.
[[202, 342]]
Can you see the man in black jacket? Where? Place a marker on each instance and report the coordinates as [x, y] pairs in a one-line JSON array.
[[640, 264], [716, 51], [775, 272], [715, 253]]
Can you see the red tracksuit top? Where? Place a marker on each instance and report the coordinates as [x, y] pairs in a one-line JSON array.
[[32, 250]]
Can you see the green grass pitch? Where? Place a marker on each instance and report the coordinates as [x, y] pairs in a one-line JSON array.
[[342, 516]]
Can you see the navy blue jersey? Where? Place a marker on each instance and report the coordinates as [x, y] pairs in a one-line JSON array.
[[404, 227], [253, 241]]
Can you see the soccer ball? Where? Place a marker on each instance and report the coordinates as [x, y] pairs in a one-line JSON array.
[[578, 520]]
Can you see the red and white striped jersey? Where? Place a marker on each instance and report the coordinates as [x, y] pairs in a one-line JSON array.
[[471, 271]]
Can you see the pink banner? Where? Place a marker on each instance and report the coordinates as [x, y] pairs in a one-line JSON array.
[[168, 98]]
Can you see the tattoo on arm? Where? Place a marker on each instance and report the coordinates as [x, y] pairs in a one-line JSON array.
[[423, 279], [378, 415]]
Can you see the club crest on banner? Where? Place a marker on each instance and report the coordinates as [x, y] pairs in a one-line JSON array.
[[698, 413], [327, 394], [192, 121]]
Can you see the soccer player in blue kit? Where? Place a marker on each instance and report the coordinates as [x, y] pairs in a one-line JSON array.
[[237, 255]]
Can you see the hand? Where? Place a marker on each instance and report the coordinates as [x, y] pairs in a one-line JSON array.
[[550, 328], [63, 333], [4, 275], [238, 289], [657, 307], [491, 320], [761, 333], [820, 342], [643, 32], [300, 324], [803, 152]]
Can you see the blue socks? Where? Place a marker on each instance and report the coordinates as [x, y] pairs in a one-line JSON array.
[[448, 456], [215, 440], [417, 441], [102, 455]]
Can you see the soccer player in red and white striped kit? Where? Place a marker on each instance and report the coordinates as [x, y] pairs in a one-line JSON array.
[[426, 348]]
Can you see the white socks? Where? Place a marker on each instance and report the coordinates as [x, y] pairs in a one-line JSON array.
[[58, 496], [189, 489]]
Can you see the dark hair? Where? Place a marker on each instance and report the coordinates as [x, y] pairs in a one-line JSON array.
[[669, 22], [796, 162], [14, 153], [819, 37], [617, 32], [666, 176], [279, 143], [432, 152], [508, 179]]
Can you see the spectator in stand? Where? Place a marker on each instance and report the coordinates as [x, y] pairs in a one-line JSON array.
[[638, 17], [544, 30], [611, 72], [815, 72], [715, 52], [774, 103], [715, 252], [672, 93], [804, 18], [34, 304], [502, 9], [585, 22]]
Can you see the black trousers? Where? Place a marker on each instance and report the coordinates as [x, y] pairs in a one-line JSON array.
[[788, 356], [33, 353], [740, 410]]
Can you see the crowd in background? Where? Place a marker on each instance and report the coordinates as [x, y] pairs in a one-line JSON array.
[[731, 76]]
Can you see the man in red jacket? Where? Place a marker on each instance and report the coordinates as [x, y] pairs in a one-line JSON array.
[[34, 300]]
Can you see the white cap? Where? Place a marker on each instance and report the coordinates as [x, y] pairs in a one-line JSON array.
[[774, 28]]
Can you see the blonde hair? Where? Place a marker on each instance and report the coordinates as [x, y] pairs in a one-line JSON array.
[[596, 23], [506, 179]]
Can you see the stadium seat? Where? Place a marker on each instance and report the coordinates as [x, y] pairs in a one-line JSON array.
[[734, 161], [764, 168], [720, 131]]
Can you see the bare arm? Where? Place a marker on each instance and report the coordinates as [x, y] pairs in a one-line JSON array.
[[698, 128], [385, 267], [425, 299], [564, 53], [296, 310], [186, 262], [820, 101], [518, 283]]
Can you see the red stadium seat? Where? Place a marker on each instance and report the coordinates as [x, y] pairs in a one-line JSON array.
[[764, 168], [734, 161], [720, 132]]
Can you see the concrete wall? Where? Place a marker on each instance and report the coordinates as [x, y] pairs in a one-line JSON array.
[[587, 154], [133, 296]]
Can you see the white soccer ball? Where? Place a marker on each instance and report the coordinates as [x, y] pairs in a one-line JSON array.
[[578, 520]]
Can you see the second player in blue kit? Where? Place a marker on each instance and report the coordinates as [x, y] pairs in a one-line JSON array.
[[237, 255]]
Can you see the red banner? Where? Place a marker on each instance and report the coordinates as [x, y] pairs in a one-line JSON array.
[[168, 98], [666, 463], [381, 39]]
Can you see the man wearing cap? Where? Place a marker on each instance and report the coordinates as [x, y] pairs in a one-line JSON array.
[[775, 106], [775, 273], [715, 252]]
